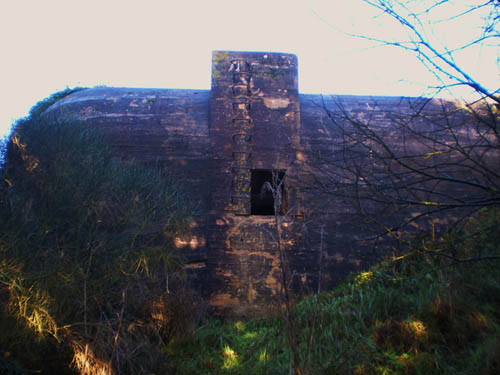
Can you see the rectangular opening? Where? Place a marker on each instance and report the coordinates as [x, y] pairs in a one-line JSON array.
[[267, 189]]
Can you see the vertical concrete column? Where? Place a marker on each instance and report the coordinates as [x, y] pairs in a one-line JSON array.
[[254, 121], [254, 127]]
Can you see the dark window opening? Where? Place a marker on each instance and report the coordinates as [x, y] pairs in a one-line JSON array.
[[263, 185]]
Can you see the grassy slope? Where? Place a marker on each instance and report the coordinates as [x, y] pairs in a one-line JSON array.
[[419, 314]]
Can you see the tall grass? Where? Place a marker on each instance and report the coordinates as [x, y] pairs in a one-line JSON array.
[[435, 310], [87, 266]]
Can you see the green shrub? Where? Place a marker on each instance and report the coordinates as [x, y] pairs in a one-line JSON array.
[[87, 262]]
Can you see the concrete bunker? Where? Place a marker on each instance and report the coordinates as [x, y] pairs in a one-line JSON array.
[[227, 143]]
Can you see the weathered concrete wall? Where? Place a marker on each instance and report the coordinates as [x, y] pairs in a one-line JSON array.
[[169, 127], [432, 136], [254, 119]]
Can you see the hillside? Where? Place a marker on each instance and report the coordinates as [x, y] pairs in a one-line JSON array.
[[92, 282], [435, 310]]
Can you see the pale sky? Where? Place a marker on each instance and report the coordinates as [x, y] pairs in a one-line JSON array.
[[50, 45]]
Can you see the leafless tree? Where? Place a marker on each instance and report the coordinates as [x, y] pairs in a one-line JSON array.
[[423, 159], [441, 35]]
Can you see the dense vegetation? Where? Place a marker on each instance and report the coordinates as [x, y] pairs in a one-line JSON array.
[[89, 280], [435, 310]]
